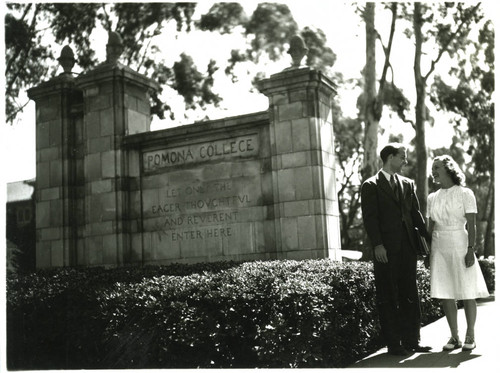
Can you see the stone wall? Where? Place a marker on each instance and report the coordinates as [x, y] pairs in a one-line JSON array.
[[111, 192], [204, 192]]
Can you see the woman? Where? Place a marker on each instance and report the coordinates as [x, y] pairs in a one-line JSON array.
[[455, 273]]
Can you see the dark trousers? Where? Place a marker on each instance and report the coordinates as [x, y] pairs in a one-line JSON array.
[[398, 302]]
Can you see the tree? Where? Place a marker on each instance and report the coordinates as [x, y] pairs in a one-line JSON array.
[[349, 158], [471, 98], [438, 30], [349, 193], [372, 100], [29, 60], [25, 56], [29, 57], [447, 25]]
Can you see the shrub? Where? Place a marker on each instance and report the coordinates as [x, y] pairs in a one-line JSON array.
[[275, 314], [259, 314], [488, 270]]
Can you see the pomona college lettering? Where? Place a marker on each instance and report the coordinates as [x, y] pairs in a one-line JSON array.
[[236, 147]]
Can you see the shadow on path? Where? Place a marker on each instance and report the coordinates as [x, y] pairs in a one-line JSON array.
[[440, 359]]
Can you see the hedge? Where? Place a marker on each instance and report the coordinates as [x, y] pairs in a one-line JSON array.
[[274, 314]]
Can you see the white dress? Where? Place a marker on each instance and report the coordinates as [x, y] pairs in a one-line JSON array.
[[450, 278]]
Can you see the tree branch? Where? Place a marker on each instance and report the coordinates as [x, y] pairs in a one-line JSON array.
[[448, 42], [394, 10], [150, 37], [21, 64], [108, 25], [405, 120], [25, 13], [18, 48], [11, 116]]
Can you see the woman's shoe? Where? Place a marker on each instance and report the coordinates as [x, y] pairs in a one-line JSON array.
[[452, 344], [469, 344]]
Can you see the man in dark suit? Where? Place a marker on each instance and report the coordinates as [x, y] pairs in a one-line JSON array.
[[391, 212]]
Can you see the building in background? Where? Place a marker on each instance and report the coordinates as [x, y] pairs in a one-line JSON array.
[[20, 227]]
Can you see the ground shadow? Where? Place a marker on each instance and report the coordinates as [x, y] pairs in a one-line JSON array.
[[440, 359]]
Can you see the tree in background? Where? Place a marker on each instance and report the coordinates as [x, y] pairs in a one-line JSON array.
[[349, 157], [470, 97], [265, 33], [437, 30], [447, 27], [29, 61], [372, 100]]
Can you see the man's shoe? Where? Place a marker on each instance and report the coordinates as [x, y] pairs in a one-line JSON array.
[[398, 351], [418, 348], [452, 344], [469, 344]]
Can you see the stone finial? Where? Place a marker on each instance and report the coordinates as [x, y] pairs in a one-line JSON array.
[[114, 48], [67, 59], [297, 50]]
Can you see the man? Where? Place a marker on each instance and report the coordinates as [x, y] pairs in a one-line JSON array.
[[391, 212]]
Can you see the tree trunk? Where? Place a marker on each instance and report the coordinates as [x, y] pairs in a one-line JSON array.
[[420, 111], [370, 94], [370, 160], [373, 100]]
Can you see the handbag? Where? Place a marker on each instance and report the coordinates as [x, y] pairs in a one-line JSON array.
[[423, 247]]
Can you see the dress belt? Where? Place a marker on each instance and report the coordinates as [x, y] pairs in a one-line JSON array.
[[449, 227]]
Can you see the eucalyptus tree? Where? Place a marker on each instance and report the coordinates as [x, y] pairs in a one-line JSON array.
[[470, 97], [29, 59], [373, 98], [439, 29]]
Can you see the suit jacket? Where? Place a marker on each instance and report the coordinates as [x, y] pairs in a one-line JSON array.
[[385, 217]]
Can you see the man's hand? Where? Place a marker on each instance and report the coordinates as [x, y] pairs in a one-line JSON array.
[[381, 254], [427, 261]]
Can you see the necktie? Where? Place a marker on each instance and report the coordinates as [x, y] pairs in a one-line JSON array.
[[394, 185]]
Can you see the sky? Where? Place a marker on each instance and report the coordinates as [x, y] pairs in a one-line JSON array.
[[345, 36]]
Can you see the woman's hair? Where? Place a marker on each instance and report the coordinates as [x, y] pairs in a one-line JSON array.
[[390, 149], [452, 169]]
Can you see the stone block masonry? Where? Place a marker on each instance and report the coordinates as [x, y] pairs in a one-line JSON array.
[[110, 192], [303, 164]]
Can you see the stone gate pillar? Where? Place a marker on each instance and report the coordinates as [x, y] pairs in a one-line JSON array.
[[57, 106], [303, 163], [116, 104]]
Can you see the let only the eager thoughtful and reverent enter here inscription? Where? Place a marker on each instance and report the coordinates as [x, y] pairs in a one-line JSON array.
[[193, 212], [244, 146]]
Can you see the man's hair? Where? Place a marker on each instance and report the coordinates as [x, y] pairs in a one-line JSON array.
[[452, 169], [392, 148]]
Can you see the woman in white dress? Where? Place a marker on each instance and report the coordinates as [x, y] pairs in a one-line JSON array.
[[455, 272]]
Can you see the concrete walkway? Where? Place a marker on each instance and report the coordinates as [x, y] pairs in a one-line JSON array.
[[485, 358]]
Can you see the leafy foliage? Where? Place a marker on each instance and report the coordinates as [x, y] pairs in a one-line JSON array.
[[64, 18], [319, 55], [223, 17], [25, 56], [488, 270], [272, 25], [471, 99], [191, 84], [29, 61], [349, 153]]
